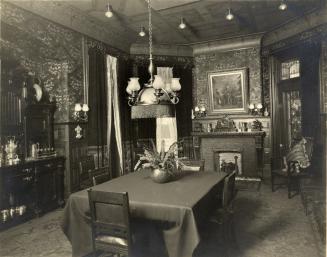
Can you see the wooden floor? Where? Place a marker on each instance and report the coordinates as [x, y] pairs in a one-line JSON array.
[[267, 225]]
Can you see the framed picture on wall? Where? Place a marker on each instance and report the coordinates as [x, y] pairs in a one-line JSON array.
[[228, 91]]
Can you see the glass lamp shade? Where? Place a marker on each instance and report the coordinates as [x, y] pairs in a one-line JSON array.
[[259, 106], [85, 108], [133, 85], [128, 90], [251, 106], [168, 87], [78, 107], [175, 85], [158, 82]]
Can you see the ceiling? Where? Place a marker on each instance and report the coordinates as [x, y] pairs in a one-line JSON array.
[[205, 19]]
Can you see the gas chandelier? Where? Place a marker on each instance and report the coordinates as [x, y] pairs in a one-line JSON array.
[[155, 92]]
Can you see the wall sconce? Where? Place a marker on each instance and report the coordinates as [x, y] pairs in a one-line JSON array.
[[80, 115], [199, 111], [255, 109], [80, 112]]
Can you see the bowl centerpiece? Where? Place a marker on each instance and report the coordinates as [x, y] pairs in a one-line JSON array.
[[163, 165]]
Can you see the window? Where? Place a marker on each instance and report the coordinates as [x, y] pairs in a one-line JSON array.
[[290, 69]]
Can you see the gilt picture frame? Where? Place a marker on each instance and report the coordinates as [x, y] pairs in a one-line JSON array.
[[228, 91]]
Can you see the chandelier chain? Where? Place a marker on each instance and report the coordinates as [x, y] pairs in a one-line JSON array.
[[151, 68]]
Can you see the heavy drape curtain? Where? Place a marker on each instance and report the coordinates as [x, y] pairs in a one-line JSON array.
[[104, 126], [97, 125], [166, 129], [113, 113]]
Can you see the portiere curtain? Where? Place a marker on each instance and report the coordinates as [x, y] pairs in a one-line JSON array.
[[113, 113], [97, 125], [166, 127]]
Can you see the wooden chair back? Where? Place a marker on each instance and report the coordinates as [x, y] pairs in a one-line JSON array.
[[229, 191], [86, 166], [192, 165], [110, 222], [100, 178]]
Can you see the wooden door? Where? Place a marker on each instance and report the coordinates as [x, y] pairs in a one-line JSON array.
[[295, 96], [290, 103]]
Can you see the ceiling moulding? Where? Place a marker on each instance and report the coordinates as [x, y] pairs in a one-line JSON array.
[[228, 44], [307, 22], [70, 17], [169, 50]]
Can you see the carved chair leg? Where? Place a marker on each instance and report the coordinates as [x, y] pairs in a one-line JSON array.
[[289, 187], [272, 183]]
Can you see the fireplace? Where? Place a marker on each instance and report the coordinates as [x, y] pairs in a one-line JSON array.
[[227, 160], [220, 149]]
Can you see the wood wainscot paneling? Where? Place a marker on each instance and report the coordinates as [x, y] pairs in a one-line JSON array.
[[73, 149]]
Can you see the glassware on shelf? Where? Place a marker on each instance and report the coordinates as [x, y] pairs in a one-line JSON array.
[[11, 151]]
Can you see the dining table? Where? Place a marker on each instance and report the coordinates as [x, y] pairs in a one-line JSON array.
[[184, 203]]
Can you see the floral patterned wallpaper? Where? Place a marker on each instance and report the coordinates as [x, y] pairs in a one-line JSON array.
[[219, 61], [324, 75], [50, 52]]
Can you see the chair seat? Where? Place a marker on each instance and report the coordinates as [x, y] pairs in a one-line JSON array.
[[280, 172], [293, 174], [111, 240], [190, 168]]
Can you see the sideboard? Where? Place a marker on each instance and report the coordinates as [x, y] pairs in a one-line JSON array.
[[30, 189], [247, 147]]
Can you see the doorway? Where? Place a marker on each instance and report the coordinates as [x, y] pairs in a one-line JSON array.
[[295, 96]]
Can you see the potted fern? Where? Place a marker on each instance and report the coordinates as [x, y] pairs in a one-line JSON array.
[[163, 164]]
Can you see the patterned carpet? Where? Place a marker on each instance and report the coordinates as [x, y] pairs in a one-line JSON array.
[[266, 224]]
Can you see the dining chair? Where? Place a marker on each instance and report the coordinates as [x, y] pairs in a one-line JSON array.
[[86, 165], [110, 223], [192, 165], [100, 178], [223, 215], [89, 174], [291, 166]]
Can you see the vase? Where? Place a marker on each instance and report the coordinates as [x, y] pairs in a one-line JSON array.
[[160, 175]]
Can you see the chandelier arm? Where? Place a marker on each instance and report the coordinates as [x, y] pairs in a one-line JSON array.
[[130, 102], [173, 98], [139, 95]]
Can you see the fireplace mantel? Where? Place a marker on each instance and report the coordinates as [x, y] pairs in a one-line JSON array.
[[229, 134], [248, 144]]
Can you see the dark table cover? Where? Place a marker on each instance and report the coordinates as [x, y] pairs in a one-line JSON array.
[[184, 202]]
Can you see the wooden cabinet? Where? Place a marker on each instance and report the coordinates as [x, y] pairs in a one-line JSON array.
[[36, 184], [38, 127]]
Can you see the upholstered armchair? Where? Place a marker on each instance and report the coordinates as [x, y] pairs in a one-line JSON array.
[[292, 166]]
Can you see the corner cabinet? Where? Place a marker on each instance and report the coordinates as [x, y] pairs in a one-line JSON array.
[[30, 189]]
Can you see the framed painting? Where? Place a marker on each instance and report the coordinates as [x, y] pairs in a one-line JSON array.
[[228, 91]]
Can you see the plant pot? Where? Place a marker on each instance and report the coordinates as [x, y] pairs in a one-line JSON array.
[[160, 176]]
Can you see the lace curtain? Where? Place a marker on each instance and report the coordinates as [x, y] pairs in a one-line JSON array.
[[166, 127]]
